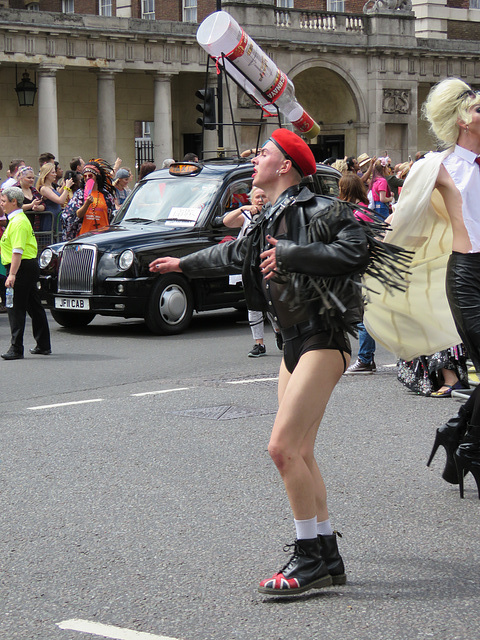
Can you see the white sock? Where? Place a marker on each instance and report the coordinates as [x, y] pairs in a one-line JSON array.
[[306, 529], [324, 528]]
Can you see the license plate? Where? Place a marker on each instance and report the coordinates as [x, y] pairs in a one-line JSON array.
[[77, 304]]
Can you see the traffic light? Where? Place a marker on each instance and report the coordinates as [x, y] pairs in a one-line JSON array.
[[206, 108]]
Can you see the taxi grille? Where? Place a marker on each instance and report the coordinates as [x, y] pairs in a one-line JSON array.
[[77, 268]]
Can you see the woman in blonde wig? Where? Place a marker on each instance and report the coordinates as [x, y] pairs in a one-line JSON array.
[[438, 218]]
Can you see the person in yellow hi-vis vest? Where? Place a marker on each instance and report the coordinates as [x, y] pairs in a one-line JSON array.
[[18, 248]]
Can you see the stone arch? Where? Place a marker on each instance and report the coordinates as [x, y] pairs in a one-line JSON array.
[[324, 73]]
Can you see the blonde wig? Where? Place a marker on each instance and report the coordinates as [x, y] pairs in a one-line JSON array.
[[44, 171], [448, 102]]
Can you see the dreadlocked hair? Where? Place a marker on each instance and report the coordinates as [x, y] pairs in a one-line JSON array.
[[105, 181]]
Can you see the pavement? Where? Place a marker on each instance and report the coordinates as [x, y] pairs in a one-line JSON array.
[[154, 509]]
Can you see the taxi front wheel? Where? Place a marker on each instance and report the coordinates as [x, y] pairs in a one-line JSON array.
[[170, 307]]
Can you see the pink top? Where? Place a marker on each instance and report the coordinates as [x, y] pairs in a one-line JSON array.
[[360, 215], [380, 184]]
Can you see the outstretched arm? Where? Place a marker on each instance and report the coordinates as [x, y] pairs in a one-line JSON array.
[[165, 265]]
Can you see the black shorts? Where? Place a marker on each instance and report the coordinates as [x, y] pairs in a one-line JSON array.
[[294, 348]]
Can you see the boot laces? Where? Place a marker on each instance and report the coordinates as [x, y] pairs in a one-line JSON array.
[[295, 550]]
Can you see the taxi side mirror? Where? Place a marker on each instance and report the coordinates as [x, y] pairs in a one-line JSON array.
[[218, 221]]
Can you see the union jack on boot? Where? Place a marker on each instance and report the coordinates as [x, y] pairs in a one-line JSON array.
[[305, 570]]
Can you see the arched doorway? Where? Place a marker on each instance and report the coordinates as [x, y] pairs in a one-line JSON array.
[[330, 96]]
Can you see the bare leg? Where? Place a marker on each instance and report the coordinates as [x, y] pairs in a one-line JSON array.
[[449, 380], [449, 377], [303, 397]]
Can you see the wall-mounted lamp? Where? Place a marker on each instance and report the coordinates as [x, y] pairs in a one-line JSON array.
[[349, 121], [26, 90]]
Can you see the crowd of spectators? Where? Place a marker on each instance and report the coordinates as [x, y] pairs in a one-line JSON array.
[[56, 202], [50, 195]]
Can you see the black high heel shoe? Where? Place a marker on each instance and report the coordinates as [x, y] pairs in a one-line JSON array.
[[449, 436], [467, 458]]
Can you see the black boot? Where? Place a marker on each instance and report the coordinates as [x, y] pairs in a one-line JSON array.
[[332, 558], [449, 436], [467, 457], [305, 570]]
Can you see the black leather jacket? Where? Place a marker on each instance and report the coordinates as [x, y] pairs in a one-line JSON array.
[[340, 254]]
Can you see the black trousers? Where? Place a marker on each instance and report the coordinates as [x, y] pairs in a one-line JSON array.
[[463, 294], [26, 299]]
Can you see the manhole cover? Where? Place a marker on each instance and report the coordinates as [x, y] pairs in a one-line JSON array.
[[223, 412]]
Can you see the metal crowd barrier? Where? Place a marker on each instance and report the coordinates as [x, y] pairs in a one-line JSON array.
[[50, 233]]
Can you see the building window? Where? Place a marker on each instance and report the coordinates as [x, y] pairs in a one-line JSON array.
[[336, 6], [105, 7], [148, 9], [147, 129], [474, 4], [285, 4], [189, 10], [33, 6], [68, 6]]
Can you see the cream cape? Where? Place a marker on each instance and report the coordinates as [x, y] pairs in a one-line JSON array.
[[417, 321]]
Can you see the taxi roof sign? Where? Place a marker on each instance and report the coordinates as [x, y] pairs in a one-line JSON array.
[[184, 169]]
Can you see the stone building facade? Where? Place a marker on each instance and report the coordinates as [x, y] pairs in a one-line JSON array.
[[103, 81]]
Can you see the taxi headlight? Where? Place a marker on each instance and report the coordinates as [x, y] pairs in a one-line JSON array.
[[46, 258], [125, 260]]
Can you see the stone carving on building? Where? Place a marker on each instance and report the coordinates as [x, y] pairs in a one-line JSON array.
[[387, 6], [396, 101], [243, 100]]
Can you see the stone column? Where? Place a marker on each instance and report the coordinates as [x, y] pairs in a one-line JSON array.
[[106, 120], [47, 110], [362, 139], [162, 116]]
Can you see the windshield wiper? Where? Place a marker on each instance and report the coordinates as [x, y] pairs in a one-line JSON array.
[[148, 220]]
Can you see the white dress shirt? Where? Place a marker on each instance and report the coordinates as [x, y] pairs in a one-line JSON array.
[[465, 173]]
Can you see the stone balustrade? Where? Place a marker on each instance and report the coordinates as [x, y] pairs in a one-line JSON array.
[[320, 21]]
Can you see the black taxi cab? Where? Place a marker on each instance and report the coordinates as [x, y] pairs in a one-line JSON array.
[[175, 212]]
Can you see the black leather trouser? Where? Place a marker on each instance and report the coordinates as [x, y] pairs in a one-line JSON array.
[[463, 293]]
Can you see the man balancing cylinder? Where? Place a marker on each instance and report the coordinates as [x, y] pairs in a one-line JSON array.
[[299, 263]]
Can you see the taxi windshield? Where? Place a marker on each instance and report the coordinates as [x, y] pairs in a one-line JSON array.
[[172, 202]]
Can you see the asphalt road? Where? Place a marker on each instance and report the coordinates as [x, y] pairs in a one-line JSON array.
[[152, 506]]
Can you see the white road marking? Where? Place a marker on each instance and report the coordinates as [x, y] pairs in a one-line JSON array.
[[153, 393], [64, 404], [147, 393], [252, 380], [108, 631]]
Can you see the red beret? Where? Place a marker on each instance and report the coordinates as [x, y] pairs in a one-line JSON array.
[[296, 150]]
